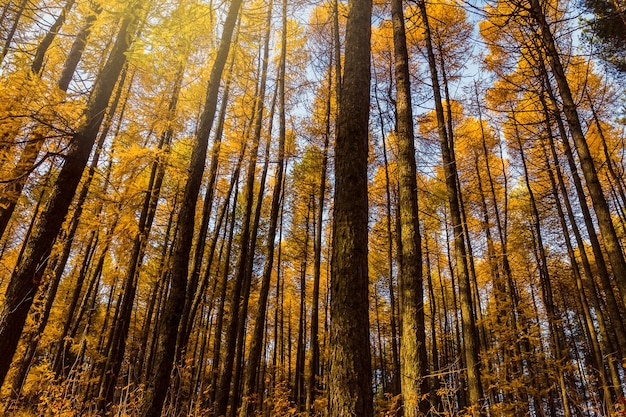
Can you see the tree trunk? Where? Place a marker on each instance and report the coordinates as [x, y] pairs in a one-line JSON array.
[[166, 349], [601, 208], [121, 326], [314, 363], [350, 369], [27, 277], [249, 397], [413, 368], [470, 330], [546, 285]]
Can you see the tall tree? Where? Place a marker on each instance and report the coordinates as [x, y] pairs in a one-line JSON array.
[[28, 274], [166, 350], [350, 368], [413, 369], [470, 330]]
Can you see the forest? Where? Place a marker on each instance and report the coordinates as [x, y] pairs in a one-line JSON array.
[[312, 208]]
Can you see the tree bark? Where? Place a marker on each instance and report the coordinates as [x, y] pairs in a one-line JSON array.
[[350, 369], [413, 368], [28, 274]]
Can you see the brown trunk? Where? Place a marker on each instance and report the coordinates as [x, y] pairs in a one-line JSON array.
[[28, 274], [221, 312], [470, 330], [601, 208], [243, 272], [122, 324], [546, 285], [16, 20], [250, 399], [166, 350], [350, 369], [615, 306], [413, 369], [314, 363], [77, 49], [395, 376]]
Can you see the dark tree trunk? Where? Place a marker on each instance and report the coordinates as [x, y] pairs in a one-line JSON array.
[[546, 285], [250, 398], [413, 368], [166, 348], [350, 369], [601, 208], [314, 363], [470, 330], [121, 326], [27, 277]]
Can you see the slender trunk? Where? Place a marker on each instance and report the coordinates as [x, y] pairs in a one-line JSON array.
[[122, 324], [314, 363], [215, 365], [546, 286], [596, 358], [47, 40], [166, 350], [243, 272], [470, 330], [77, 49], [395, 377], [13, 29], [193, 292], [28, 158], [250, 399], [413, 355], [601, 208], [299, 396], [615, 306], [586, 280], [243, 314]]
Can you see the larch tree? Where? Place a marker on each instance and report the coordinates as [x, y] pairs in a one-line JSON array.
[[28, 275], [413, 367], [166, 348], [470, 330], [350, 368]]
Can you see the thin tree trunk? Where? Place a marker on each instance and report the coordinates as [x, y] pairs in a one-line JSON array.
[[413, 357], [156, 390], [77, 49], [615, 308], [243, 271], [470, 330], [250, 398], [546, 286], [11, 34], [215, 365], [121, 326], [314, 363], [601, 208]]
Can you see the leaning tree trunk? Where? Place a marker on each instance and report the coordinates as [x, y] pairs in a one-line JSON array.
[[28, 274], [249, 398], [166, 349], [601, 208], [470, 330]]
